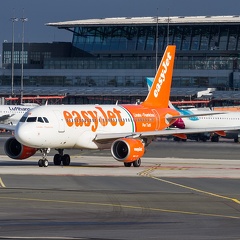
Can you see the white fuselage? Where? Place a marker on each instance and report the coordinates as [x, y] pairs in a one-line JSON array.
[[224, 119], [74, 127], [11, 114]]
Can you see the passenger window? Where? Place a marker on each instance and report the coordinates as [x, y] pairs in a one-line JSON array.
[[32, 119]]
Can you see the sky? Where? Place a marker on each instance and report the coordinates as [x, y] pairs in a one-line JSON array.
[[40, 12]]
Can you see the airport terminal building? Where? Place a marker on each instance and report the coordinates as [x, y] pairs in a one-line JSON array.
[[109, 59]]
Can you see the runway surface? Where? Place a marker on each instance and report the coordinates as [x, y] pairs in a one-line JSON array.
[[182, 191]]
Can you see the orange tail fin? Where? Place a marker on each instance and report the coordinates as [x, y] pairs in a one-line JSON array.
[[159, 93]]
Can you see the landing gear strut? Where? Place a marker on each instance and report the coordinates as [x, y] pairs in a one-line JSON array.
[[43, 162], [136, 163], [61, 158]]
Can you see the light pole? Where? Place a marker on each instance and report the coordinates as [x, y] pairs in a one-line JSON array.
[[156, 43], [23, 19], [13, 19]]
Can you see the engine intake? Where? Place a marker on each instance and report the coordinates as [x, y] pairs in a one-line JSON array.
[[16, 150], [127, 149]]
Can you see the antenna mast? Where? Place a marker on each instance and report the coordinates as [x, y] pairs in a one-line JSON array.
[[168, 28], [23, 19], [13, 19]]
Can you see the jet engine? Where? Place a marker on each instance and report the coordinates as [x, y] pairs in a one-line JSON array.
[[127, 149], [179, 123], [16, 150]]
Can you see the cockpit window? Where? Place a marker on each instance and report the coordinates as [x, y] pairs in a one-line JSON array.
[[39, 119], [46, 120], [32, 119], [23, 119]]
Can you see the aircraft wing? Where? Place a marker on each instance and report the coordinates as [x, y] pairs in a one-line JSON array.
[[7, 127], [172, 131], [5, 117]]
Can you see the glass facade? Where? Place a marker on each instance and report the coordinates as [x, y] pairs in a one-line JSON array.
[[7, 57], [201, 50], [141, 39]]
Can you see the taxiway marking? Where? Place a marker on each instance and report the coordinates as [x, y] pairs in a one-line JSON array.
[[1, 183], [147, 173], [121, 206]]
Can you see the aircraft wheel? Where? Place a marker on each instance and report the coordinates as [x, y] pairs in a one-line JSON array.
[[57, 159], [127, 164], [40, 163], [137, 163], [66, 160], [45, 163], [215, 138]]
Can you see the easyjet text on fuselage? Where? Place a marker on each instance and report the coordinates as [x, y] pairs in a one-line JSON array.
[[92, 118]]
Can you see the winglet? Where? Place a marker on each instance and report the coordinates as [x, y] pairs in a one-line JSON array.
[[159, 93]]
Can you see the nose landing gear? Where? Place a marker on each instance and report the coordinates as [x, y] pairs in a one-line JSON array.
[[43, 162]]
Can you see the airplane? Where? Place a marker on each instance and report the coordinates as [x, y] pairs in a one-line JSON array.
[[222, 119], [126, 129], [11, 114]]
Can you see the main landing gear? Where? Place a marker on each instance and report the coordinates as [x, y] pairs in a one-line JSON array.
[[57, 159], [61, 158], [136, 163]]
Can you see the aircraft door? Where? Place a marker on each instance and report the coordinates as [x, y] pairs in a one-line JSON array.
[[157, 119], [61, 126]]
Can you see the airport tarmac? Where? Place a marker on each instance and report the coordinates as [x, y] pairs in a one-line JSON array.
[[168, 197]]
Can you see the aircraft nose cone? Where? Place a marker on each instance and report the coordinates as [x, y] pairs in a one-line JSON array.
[[23, 134]]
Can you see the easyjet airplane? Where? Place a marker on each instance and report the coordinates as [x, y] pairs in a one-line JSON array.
[[125, 129]]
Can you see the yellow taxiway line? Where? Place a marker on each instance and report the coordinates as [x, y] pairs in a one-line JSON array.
[[1, 183], [147, 173]]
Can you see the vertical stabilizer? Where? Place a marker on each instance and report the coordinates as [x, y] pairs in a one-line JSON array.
[[159, 93]]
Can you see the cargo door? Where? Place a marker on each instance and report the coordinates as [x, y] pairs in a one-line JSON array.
[[157, 119]]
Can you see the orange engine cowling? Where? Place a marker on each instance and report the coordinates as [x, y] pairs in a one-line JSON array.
[[127, 149], [16, 150]]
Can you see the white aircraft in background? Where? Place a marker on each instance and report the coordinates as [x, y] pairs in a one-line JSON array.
[[125, 129], [220, 120], [11, 114]]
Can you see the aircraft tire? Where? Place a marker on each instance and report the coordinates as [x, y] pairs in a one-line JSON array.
[[127, 164], [215, 138], [45, 163], [40, 163], [57, 159], [66, 160], [137, 163]]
